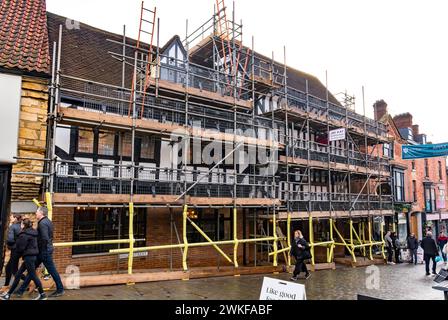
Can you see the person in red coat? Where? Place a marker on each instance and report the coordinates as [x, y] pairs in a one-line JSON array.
[[442, 240]]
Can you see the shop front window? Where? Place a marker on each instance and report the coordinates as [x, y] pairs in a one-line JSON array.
[[106, 224], [207, 221]]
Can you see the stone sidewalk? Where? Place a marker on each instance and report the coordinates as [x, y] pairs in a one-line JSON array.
[[399, 282]]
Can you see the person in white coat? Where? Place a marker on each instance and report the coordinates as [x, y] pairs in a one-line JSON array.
[[445, 251]]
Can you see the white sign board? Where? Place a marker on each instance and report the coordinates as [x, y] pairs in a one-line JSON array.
[[338, 134], [10, 96], [136, 255], [275, 289]]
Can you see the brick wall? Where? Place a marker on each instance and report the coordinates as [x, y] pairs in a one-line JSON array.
[[32, 138], [158, 233], [420, 177], [403, 121]]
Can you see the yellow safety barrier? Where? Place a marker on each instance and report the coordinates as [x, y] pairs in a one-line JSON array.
[[210, 240], [361, 236], [329, 244], [131, 238], [49, 205], [288, 223], [371, 239], [351, 235], [361, 244], [280, 251], [274, 227], [185, 245], [344, 243], [331, 253], [235, 238], [184, 232], [37, 203], [191, 245], [313, 261], [383, 248]]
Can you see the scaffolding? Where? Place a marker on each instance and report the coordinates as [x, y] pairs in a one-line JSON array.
[[223, 86]]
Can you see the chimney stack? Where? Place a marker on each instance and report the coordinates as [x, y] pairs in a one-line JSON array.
[[380, 109], [415, 130], [403, 121]]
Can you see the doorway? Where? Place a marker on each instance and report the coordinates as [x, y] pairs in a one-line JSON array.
[[5, 173]]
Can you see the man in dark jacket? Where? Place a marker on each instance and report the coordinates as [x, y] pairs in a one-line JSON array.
[[14, 230], [300, 251], [396, 247], [26, 248], [430, 250], [45, 243], [413, 247]]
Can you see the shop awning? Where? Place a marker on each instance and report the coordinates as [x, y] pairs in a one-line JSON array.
[[437, 216]]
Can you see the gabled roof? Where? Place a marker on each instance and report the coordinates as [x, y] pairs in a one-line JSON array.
[[387, 118], [86, 52], [23, 36], [177, 39], [297, 79]]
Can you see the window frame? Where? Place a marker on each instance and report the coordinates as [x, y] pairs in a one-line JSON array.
[[210, 219], [414, 190], [399, 188], [100, 233], [96, 156]]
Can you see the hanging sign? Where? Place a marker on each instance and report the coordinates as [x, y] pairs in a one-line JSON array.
[[424, 151], [274, 289], [338, 134]]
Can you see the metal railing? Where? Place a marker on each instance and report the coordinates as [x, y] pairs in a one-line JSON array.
[[319, 152], [100, 178]]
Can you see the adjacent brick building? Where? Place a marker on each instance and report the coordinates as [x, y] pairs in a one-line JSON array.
[[419, 186]]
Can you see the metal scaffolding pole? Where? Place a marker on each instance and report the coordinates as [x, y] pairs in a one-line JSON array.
[[288, 143], [240, 119]]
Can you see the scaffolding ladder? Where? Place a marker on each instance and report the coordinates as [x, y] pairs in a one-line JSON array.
[[143, 80]]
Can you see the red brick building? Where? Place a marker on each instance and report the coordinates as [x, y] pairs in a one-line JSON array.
[[419, 186]]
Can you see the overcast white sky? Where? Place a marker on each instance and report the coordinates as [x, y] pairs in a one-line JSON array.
[[397, 49]]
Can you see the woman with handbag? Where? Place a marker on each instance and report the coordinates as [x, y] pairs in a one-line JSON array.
[[300, 250]]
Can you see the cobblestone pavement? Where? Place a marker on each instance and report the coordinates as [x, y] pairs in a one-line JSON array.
[[399, 282]]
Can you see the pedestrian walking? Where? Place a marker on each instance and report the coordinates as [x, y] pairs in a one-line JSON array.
[[45, 243], [442, 240], [300, 250], [413, 248], [12, 266], [445, 251], [26, 247], [430, 252], [397, 247], [389, 247]]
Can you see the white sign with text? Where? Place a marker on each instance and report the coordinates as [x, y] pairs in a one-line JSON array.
[[275, 289], [338, 134]]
